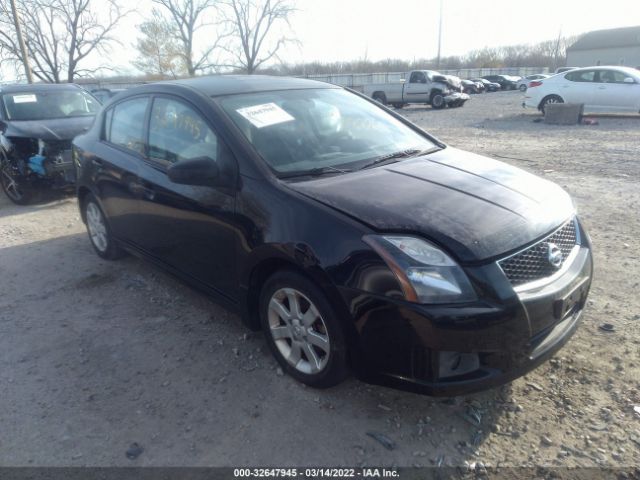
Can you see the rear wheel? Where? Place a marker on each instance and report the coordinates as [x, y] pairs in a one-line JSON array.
[[398, 105], [13, 185], [303, 330], [548, 100], [523, 88], [380, 97], [98, 229]]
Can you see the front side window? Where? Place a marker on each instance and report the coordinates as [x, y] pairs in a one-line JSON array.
[[583, 76], [299, 130], [126, 128], [418, 77], [612, 76], [177, 132], [47, 105]]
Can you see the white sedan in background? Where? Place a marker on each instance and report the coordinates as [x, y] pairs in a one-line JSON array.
[[523, 83], [601, 89]]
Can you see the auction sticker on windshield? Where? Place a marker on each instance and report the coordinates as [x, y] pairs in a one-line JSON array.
[[24, 98], [265, 115]]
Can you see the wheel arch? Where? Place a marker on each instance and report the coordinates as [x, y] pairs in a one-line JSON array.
[[261, 270]]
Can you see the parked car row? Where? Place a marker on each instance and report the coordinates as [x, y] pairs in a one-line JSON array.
[[354, 239]]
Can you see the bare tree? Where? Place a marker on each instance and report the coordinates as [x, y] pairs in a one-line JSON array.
[[159, 52], [251, 23], [60, 35], [185, 18]]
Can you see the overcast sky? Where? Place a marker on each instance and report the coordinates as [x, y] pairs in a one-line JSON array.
[[331, 30]]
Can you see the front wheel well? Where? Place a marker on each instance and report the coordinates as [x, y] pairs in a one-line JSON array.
[[259, 275]]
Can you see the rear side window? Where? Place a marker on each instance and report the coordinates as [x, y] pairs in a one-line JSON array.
[[126, 125], [584, 76], [177, 132]]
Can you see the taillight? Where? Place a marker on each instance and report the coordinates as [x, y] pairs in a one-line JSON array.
[[535, 83]]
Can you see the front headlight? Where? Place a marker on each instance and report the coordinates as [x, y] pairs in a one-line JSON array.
[[425, 273]]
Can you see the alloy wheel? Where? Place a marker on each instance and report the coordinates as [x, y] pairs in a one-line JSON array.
[[298, 331], [97, 227]]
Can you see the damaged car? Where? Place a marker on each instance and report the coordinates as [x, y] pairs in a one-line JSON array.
[[424, 86], [351, 237], [37, 125]]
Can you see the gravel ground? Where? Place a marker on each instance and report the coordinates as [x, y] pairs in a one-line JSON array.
[[97, 356]]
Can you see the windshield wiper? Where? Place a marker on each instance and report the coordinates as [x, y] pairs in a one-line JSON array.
[[412, 152], [315, 172]]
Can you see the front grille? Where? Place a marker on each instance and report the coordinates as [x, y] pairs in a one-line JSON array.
[[533, 263]]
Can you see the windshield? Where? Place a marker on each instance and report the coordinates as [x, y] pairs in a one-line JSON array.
[[302, 130], [44, 105]]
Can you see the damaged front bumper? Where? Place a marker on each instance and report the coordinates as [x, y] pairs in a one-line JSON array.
[[456, 98]]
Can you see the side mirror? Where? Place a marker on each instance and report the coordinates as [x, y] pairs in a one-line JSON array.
[[629, 80], [202, 171]]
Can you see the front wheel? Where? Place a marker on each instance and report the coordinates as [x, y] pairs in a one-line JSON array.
[[12, 185], [302, 330], [437, 101]]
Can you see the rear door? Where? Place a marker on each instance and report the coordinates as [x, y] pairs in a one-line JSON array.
[[115, 164], [578, 87], [188, 228], [417, 90]]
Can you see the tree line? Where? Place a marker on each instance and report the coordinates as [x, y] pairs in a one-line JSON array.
[[550, 54], [177, 38]]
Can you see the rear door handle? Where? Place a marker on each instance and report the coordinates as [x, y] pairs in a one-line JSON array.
[[140, 190]]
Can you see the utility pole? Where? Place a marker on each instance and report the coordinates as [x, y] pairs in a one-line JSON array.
[[23, 48], [439, 37]]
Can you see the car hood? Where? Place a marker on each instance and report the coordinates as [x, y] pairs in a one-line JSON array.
[[48, 130], [475, 207]]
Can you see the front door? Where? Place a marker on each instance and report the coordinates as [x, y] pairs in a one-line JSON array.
[[417, 89], [188, 228], [612, 94]]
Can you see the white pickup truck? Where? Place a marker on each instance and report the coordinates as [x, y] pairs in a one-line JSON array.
[[424, 86]]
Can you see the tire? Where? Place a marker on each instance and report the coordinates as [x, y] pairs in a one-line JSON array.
[[437, 101], [99, 231], [311, 346], [15, 191], [549, 99], [380, 97], [398, 105], [523, 88]]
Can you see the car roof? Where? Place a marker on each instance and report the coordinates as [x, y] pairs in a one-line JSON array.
[[37, 87], [629, 70], [216, 85]]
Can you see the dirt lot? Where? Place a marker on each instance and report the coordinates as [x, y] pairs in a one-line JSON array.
[[98, 355]]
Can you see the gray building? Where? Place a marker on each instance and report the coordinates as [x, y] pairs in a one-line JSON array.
[[616, 46]]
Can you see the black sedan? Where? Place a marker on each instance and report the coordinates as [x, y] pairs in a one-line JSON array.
[[505, 81], [37, 124], [351, 237], [489, 86]]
